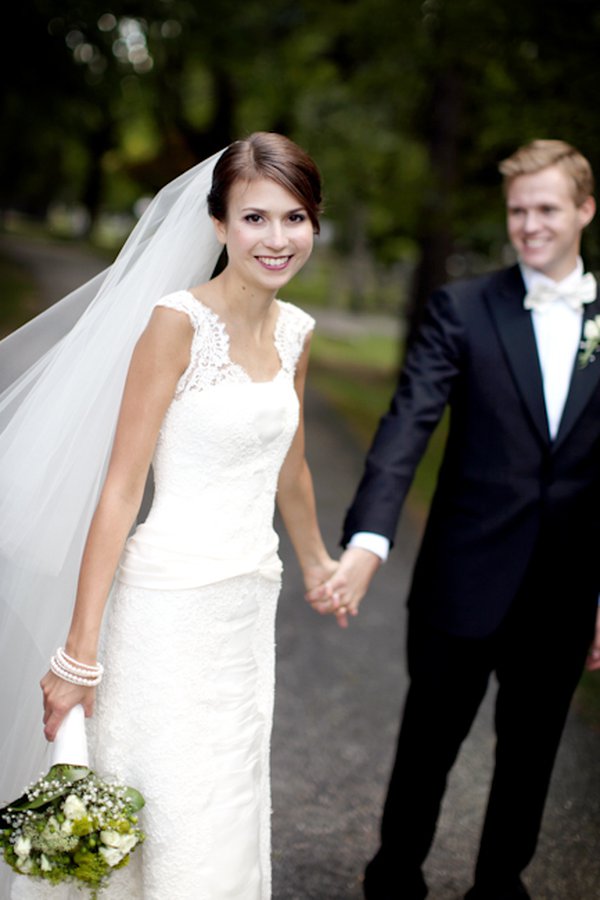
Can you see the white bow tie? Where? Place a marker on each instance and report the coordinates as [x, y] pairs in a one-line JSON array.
[[542, 295]]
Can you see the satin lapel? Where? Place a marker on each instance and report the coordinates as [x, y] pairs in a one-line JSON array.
[[583, 384], [515, 330]]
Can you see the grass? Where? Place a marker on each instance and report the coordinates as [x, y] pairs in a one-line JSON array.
[[358, 375], [376, 353]]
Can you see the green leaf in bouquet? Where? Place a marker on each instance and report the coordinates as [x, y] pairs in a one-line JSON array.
[[57, 782], [134, 799]]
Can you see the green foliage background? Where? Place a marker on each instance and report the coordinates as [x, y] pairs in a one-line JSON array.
[[406, 106]]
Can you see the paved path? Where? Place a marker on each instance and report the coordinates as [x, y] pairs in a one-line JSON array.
[[56, 267], [338, 699]]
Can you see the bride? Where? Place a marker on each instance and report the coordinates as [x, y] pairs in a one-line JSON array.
[[212, 401]]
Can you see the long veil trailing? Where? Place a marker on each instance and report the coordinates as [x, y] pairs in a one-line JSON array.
[[61, 378]]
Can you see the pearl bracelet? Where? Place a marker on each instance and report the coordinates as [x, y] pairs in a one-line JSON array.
[[75, 672], [68, 660], [83, 670]]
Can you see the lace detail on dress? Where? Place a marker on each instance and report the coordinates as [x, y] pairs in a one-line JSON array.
[[293, 326], [209, 355], [210, 363]]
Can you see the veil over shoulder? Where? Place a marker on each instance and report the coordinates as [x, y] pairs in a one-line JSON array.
[[61, 378]]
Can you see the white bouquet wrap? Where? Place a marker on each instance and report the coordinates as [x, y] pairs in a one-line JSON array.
[[70, 745]]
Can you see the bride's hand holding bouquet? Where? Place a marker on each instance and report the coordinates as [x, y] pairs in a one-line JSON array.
[[70, 825], [59, 698]]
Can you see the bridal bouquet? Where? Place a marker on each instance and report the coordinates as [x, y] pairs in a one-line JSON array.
[[71, 826]]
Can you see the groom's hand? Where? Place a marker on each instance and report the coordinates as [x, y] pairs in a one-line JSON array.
[[341, 594], [593, 660]]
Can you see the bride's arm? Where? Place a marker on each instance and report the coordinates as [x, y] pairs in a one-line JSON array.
[[296, 498], [160, 357]]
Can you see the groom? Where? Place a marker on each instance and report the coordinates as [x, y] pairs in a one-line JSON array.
[[507, 578]]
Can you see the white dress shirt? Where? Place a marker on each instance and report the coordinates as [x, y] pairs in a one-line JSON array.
[[557, 334]]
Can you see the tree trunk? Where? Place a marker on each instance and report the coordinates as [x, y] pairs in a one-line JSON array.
[[99, 142], [436, 241]]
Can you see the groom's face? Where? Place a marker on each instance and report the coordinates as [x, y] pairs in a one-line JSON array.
[[544, 223]]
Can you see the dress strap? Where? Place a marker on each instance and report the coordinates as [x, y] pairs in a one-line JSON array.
[[209, 355], [293, 327], [184, 301]]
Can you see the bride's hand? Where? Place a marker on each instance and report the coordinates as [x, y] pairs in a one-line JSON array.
[[315, 581], [61, 696], [318, 574]]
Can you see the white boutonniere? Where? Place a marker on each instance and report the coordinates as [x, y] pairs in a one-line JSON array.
[[590, 344]]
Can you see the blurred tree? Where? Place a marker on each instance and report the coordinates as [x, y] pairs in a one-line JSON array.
[[499, 76], [37, 123], [407, 107]]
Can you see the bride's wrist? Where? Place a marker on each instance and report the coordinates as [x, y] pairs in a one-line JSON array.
[[85, 651], [74, 670], [317, 564]]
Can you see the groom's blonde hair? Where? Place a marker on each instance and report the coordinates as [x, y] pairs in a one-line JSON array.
[[541, 154]]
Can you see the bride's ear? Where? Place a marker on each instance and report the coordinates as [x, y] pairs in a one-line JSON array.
[[220, 230]]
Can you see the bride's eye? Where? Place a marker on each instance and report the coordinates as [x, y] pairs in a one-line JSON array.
[[254, 218]]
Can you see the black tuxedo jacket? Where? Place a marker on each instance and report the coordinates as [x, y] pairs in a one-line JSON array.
[[508, 497]]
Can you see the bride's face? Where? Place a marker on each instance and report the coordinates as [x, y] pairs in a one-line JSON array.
[[267, 232]]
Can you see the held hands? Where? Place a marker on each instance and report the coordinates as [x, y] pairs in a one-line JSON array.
[[341, 594], [318, 573]]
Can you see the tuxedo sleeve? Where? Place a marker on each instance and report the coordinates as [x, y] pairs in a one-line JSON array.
[[431, 371]]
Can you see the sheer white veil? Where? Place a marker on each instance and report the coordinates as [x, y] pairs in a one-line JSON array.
[[61, 378]]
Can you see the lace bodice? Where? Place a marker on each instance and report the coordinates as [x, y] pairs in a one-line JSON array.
[[217, 460], [210, 363]]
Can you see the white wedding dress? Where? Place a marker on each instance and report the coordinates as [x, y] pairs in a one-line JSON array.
[[184, 712]]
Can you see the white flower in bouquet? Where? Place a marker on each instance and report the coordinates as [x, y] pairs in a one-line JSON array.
[[111, 855], [24, 865], [123, 842], [117, 846], [22, 846], [591, 341], [67, 826], [73, 807]]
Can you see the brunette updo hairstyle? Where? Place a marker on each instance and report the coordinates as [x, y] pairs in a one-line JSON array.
[[265, 154]]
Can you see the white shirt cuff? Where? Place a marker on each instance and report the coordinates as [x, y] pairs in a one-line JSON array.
[[376, 543]]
